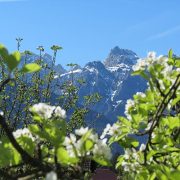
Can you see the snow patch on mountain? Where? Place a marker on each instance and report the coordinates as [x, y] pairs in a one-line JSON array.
[[71, 72]]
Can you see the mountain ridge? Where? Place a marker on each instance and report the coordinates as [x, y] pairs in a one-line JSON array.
[[110, 78]]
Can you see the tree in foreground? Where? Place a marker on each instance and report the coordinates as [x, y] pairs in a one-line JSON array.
[[152, 117], [149, 134]]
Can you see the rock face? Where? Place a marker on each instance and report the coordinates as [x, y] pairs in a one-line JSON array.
[[111, 79], [118, 56]]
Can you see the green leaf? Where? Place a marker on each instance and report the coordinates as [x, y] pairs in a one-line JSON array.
[[161, 175], [176, 100], [175, 175], [13, 60], [102, 161], [119, 161], [62, 155], [88, 144], [27, 144], [64, 158], [170, 54], [124, 121], [54, 131], [55, 47], [153, 176], [151, 154], [8, 155], [135, 73], [30, 68], [86, 136], [132, 141], [177, 63], [174, 122], [3, 52]]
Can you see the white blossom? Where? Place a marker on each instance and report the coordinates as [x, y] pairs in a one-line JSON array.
[[161, 83], [51, 176], [111, 130], [153, 135], [114, 130], [129, 104], [81, 131], [46, 111], [75, 146], [70, 143], [1, 113], [149, 126], [140, 65], [151, 58], [134, 166], [70, 140], [102, 149], [59, 112], [151, 55], [141, 94], [135, 155], [162, 60], [94, 137], [105, 131], [142, 147], [127, 153], [125, 165], [21, 132]]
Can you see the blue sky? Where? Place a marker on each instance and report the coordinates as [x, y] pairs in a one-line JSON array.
[[88, 29]]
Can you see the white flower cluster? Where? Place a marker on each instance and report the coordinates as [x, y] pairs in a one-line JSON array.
[[113, 130], [129, 166], [81, 131], [46, 111], [129, 104], [149, 126], [149, 60], [75, 144], [141, 94], [1, 113], [101, 149], [51, 176], [142, 147], [140, 65], [132, 158], [21, 132]]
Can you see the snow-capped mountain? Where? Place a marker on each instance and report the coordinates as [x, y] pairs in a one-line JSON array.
[[111, 79]]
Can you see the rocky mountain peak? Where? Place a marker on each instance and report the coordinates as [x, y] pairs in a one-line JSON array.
[[118, 56], [47, 56], [124, 52], [95, 64]]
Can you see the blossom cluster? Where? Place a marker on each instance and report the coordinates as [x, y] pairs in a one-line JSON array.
[[23, 132], [150, 60], [46, 111], [129, 104], [75, 144], [113, 130], [132, 158]]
